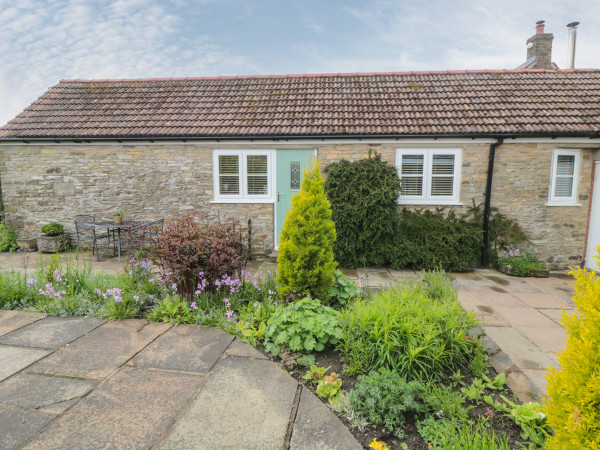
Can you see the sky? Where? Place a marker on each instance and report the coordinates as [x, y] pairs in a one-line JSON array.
[[44, 41]]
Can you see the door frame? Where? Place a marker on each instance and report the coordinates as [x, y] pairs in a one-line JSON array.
[[315, 155], [593, 232]]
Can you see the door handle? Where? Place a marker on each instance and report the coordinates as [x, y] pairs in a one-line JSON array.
[[278, 194]]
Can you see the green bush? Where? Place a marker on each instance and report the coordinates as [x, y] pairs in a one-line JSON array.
[[405, 330], [53, 229], [306, 263], [343, 290], [8, 239], [303, 326], [364, 200], [504, 233], [385, 398], [521, 262], [430, 240]]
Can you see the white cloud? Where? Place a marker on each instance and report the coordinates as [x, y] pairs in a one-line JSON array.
[[42, 42]]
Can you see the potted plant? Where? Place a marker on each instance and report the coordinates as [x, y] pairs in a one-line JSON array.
[[118, 215], [54, 238]]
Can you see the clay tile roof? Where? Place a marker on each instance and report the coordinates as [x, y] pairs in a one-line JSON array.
[[477, 103]]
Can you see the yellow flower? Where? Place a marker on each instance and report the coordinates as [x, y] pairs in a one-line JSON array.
[[379, 445]]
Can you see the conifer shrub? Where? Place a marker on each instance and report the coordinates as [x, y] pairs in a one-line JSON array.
[[573, 392], [364, 201], [431, 240], [306, 263]]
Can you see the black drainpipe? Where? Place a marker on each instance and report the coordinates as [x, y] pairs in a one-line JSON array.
[[488, 202]]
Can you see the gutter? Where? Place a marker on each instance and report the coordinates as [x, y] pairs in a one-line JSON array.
[[83, 139], [488, 202]]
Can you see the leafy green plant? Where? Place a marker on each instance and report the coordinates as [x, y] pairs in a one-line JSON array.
[[250, 333], [385, 398], [529, 416], [475, 391], [53, 229], [303, 326], [504, 233], [343, 290], [497, 383], [431, 240], [404, 330], [573, 390], [449, 435], [364, 200], [479, 364], [442, 399], [457, 378], [329, 386], [315, 374], [306, 263], [8, 239], [171, 309], [521, 262]]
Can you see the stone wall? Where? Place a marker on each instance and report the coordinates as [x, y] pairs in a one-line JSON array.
[[43, 183]]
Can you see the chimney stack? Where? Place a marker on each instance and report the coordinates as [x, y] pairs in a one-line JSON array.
[[572, 38], [539, 46]]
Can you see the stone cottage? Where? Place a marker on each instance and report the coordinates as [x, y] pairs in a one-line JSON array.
[[530, 138]]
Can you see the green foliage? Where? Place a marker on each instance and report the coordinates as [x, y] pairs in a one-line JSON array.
[[8, 239], [504, 233], [479, 363], [329, 386], [573, 392], [431, 240], [343, 290], [171, 309], [529, 416], [522, 262], [306, 263], [404, 330], [250, 333], [315, 374], [446, 402], [303, 326], [53, 229], [363, 196], [448, 435], [14, 292], [385, 398], [475, 391]]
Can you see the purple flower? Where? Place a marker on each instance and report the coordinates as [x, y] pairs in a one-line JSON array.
[[193, 305], [31, 282], [58, 277], [136, 298]]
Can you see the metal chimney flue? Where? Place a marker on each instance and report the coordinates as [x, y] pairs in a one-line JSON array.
[[572, 39]]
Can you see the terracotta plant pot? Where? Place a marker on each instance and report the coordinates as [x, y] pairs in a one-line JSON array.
[[118, 220], [52, 244]]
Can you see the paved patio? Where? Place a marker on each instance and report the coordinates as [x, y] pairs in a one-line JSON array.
[[81, 382], [86, 382]]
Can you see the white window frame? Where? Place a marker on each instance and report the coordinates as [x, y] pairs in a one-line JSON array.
[[243, 196], [553, 200], [426, 198]]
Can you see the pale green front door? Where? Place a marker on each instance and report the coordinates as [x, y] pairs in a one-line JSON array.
[[290, 168]]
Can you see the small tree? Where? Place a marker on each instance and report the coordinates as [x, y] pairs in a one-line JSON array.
[[306, 262], [574, 391]]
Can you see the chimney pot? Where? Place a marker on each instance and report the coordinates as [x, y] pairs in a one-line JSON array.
[[539, 26]]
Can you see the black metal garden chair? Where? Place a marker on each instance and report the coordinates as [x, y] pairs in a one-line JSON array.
[[86, 231]]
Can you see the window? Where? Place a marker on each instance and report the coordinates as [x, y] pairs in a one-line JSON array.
[[563, 182], [429, 176], [242, 175]]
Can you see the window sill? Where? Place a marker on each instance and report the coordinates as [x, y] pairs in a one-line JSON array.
[[428, 203], [242, 200], [562, 204]]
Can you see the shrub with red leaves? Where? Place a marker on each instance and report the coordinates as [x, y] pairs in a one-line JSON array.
[[189, 245]]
